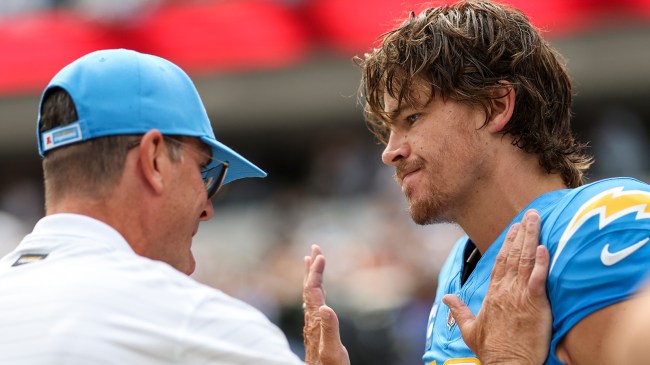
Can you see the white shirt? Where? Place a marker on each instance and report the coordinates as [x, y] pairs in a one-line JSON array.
[[93, 300]]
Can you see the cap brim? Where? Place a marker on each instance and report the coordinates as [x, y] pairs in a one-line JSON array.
[[239, 167]]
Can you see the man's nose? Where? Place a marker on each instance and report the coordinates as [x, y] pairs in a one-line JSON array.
[[208, 211], [397, 149]]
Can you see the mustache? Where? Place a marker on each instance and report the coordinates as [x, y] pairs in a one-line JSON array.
[[407, 167]]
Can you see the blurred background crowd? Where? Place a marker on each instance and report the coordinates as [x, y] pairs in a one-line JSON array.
[[278, 81]]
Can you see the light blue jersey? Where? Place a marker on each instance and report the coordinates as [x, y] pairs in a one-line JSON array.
[[597, 238]]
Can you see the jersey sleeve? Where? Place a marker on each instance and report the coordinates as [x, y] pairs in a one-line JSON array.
[[599, 249]]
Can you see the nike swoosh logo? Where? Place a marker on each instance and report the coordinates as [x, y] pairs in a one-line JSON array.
[[611, 258]]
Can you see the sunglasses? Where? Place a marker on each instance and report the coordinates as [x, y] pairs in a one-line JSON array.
[[213, 175]]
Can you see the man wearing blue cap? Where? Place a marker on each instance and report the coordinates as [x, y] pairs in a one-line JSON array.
[[130, 163]]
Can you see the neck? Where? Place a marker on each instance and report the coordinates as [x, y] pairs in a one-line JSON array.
[[515, 181], [101, 209], [118, 209]]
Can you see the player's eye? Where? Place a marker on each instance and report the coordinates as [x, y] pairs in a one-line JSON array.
[[413, 118]]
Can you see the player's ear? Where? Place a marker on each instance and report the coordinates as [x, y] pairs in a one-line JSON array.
[[152, 151], [502, 105]]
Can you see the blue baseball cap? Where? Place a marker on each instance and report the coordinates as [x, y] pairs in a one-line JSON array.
[[122, 92]]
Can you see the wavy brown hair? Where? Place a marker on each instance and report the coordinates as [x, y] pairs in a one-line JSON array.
[[465, 52]]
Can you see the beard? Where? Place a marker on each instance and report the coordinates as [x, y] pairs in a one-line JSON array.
[[430, 208]]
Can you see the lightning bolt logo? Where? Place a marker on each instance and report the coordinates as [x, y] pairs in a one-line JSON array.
[[609, 205]]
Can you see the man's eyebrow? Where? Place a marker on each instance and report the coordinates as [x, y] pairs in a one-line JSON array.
[[393, 114], [402, 109]]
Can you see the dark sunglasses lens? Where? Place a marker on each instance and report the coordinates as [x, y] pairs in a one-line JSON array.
[[213, 178]]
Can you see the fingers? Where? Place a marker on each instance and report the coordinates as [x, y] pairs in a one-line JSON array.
[[518, 253], [308, 260], [313, 297], [460, 312], [321, 329], [313, 293], [499, 269], [530, 243], [315, 270], [307, 265], [317, 266], [516, 245], [464, 318], [537, 281], [515, 300]]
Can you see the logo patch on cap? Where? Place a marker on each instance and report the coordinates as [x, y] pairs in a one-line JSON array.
[[61, 136]]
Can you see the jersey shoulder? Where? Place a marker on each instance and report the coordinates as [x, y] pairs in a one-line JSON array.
[[597, 237], [620, 205], [608, 193]]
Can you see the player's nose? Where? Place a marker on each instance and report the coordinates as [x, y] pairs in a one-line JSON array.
[[396, 150]]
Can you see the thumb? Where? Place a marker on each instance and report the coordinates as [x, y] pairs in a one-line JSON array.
[[332, 351], [459, 311], [329, 327]]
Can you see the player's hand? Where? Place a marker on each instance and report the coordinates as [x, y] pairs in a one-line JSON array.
[[321, 332], [514, 323]]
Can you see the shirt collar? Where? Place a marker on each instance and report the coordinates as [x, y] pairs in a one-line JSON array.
[[80, 227]]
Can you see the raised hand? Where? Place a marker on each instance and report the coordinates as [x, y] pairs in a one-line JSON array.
[[321, 331], [514, 323]]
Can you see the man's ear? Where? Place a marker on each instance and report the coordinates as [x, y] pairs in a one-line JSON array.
[[503, 105], [152, 152]]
